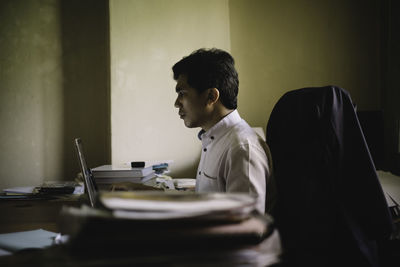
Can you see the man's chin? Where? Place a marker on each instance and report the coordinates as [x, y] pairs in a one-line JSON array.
[[189, 124]]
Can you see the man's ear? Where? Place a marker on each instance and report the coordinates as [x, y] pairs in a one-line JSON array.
[[213, 95]]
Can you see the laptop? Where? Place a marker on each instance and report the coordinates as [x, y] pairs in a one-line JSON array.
[[90, 185]]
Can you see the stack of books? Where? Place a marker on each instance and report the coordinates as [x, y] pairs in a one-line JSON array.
[[107, 175]]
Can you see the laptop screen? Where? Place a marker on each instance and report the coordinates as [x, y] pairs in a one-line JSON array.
[[87, 174]]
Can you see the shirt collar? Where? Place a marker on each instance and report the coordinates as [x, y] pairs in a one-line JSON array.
[[220, 127]]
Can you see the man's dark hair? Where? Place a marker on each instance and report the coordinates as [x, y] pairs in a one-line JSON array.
[[211, 68]]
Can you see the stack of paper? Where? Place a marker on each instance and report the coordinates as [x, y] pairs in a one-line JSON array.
[[141, 172], [109, 174], [147, 219], [156, 205], [185, 184]]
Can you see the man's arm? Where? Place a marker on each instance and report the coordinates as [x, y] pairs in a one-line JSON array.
[[246, 171]]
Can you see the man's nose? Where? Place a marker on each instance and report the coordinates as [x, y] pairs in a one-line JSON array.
[[177, 103]]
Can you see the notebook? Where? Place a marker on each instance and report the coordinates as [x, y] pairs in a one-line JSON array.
[[91, 188]]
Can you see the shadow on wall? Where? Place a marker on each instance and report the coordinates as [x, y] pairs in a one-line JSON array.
[[391, 92], [86, 84]]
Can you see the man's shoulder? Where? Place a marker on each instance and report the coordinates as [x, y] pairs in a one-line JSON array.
[[243, 133]]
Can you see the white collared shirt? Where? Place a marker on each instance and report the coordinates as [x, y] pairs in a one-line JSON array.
[[235, 159]]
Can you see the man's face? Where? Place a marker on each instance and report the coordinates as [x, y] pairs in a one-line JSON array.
[[191, 104]]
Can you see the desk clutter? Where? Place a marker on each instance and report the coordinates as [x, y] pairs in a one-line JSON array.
[[47, 190], [133, 176], [166, 224], [127, 221], [147, 228], [133, 172]]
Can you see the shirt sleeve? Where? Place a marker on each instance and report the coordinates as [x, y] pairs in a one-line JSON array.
[[246, 171]]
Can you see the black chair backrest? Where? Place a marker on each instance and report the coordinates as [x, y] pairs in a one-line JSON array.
[[325, 177]]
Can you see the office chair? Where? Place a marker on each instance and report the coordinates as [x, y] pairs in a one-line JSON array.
[[330, 207]]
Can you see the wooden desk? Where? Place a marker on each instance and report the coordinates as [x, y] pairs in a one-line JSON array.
[[24, 215]]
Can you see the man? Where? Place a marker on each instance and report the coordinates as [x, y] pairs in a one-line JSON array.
[[233, 158]]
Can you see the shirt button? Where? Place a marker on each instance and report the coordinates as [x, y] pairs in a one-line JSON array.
[[212, 137], [205, 149], [200, 173]]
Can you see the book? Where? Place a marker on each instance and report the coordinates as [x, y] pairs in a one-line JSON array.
[[111, 180], [108, 171]]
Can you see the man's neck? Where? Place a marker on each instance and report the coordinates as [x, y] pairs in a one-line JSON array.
[[218, 115]]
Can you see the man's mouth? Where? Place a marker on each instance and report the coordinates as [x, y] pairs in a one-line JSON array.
[[181, 114]]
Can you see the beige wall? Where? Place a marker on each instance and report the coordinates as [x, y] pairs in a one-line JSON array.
[[54, 86], [55, 72], [30, 92], [285, 45], [278, 46], [147, 38]]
